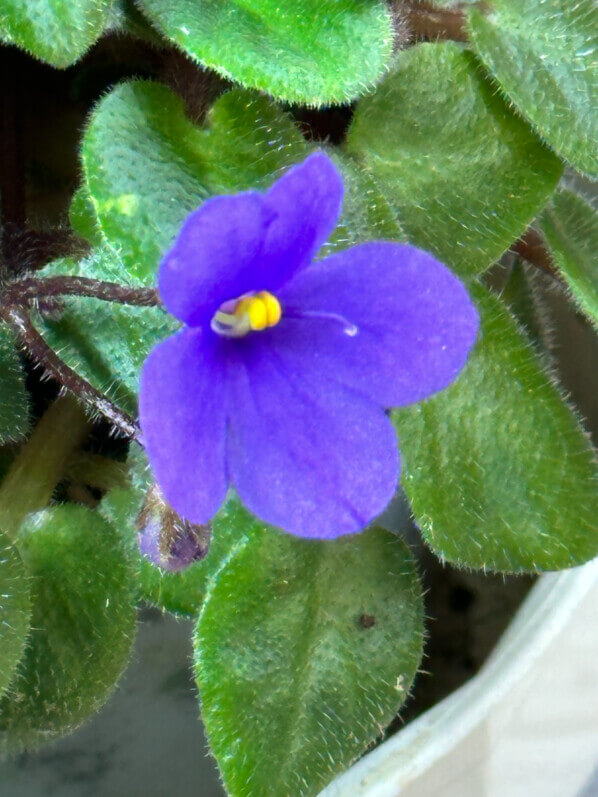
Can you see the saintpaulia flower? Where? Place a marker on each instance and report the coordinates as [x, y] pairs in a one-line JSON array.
[[279, 383]]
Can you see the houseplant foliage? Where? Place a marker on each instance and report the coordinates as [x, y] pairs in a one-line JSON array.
[[304, 650]]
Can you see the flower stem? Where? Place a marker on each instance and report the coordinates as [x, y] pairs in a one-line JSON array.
[[29, 484], [18, 318], [29, 290]]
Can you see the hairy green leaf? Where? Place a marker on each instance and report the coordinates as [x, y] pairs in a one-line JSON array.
[[14, 398], [83, 624], [53, 30], [498, 470], [15, 610], [570, 226], [308, 51], [464, 175], [304, 651], [543, 55]]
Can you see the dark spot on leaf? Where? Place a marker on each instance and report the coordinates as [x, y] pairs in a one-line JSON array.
[[367, 620]]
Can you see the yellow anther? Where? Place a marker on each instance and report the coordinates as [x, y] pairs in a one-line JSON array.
[[262, 310], [273, 308], [251, 313]]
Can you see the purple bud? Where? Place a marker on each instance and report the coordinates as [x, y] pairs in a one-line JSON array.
[[166, 539]]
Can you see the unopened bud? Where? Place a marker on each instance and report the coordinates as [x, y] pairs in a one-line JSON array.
[[167, 539]]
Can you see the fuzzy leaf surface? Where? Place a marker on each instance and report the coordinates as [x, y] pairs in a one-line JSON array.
[[498, 469], [464, 175], [304, 651], [53, 30], [83, 625], [14, 398], [15, 610], [306, 51], [570, 225], [543, 55]]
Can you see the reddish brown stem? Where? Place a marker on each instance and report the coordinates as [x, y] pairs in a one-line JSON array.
[[31, 289], [36, 346]]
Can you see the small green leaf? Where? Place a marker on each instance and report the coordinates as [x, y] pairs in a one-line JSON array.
[[307, 51], [53, 30], [82, 626], [15, 610], [464, 175], [105, 343], [543, 55], [304, 651], [14, 398], [148, 166], [179, 593], [499, 472], [570, 226]]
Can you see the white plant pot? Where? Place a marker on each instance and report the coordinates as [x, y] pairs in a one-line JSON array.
[[525, 725]]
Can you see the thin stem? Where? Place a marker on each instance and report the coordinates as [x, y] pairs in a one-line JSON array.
[[19, 320], [31, 289], [41, 462]]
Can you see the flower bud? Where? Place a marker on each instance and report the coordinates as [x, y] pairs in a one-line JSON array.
[[166, 539]]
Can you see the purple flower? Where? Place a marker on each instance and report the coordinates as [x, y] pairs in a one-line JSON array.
[[278, 384]]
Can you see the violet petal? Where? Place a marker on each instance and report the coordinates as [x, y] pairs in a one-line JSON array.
[[409, 323], [183, 418]]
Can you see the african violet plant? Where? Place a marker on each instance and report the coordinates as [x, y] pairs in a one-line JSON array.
[[284, 343]]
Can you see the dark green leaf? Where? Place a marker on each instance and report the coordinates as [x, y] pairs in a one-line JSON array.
[[304, 651], [14, 398], [15, 610], [56, 32], [498, 470], [464, 175], [571, 229], [543, 55], [83, 624], [308, 51]]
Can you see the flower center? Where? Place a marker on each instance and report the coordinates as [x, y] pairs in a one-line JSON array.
[[250, 313]]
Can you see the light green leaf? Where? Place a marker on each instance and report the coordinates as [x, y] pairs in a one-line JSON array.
[[304, 651], [570, 226], [15, 610], [498, 470], [14, 398], [148, 166], [53, 30], [313, 52], [106, 343], [543, 55], [83, 624], [464, 175]]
